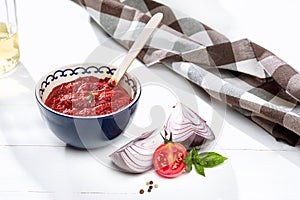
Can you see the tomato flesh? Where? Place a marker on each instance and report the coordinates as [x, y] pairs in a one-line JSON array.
[[168, 159]]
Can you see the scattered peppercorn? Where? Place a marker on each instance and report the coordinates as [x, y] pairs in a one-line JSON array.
[[151, 186]]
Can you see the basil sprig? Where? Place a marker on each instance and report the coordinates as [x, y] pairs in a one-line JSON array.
[[202, 160]]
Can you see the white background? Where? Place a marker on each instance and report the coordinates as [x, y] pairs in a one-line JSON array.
[[34, 164]]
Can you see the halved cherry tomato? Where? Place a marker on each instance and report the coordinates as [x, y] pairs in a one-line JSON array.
[[168, 159]]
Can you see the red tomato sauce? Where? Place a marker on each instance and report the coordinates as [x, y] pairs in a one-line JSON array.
[[88, 96]]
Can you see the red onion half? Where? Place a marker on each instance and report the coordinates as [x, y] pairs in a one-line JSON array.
[[187, 127], [136, 156]]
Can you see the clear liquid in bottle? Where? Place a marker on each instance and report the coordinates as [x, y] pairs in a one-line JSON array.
[[9, 49]]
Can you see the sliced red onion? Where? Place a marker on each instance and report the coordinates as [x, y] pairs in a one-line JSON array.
[[187, 127], [136, 156]]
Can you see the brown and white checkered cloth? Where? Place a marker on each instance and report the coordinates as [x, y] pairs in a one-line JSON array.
[[246, 76]]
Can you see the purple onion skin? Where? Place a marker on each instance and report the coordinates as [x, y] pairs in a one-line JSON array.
[[187, 127], [140, 161]]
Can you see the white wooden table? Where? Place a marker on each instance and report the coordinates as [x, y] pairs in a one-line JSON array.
[[34, 164]]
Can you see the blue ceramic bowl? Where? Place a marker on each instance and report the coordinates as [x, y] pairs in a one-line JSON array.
[[89, 131]]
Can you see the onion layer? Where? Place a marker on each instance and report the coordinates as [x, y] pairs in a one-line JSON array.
[[136, 156], [187, 127]]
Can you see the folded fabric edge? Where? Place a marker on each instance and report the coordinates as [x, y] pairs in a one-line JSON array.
[[285, 75], [279, 132]]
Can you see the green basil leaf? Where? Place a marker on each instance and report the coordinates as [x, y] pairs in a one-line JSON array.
[[202, 160], [194, 152], [188, 161], [199, 169], [210, 159], [189, 167]]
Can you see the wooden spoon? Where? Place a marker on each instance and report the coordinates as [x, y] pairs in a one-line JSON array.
[[137, 47]]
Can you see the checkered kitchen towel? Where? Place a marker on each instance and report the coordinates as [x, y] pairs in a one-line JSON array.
[[246, 76]]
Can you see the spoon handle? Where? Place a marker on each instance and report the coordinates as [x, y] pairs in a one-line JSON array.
[[137, 47]]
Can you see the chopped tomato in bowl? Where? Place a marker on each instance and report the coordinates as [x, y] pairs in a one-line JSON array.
[[91, 114]]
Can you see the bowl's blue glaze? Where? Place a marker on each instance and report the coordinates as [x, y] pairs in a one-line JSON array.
[[85, 132]]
